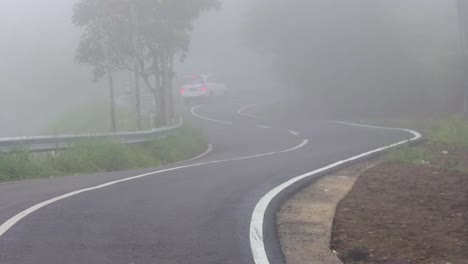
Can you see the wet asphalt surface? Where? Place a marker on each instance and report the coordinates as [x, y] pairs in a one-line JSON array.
[[195, 215]]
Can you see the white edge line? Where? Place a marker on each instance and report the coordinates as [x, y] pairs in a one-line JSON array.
[[294, 133], [242, 109], [207, 118], [18, 217], [256, 224], [304, 142], [207, 151]]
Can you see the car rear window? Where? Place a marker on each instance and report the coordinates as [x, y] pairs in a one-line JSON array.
[[193, 80]]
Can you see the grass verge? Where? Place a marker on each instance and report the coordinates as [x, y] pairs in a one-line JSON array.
[[410, 155], [446, 146], [93, 156], [452, 132]]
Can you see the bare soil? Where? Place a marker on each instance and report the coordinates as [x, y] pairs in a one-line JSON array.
[[402, 213]]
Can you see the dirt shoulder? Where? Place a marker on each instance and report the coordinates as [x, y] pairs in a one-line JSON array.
[[393, 212], [411, 208], [407, 213]]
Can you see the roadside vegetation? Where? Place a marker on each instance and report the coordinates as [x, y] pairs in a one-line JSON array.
[[446, 146], [94, 156], [452, 132]]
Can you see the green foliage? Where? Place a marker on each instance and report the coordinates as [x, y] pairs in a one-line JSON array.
[[95, 156], [117, 31], [177, 146], [452, 131], [142, 36], [21, 165], [410, 155], [102, 156]]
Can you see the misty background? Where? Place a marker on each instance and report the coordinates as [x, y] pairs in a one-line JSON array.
[[395, 57]]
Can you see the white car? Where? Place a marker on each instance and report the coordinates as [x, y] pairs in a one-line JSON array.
[[200, 87]]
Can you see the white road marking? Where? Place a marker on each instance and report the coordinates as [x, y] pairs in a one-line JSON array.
[[207, 118], [304, 142], [256, 224], [15, 219], [416, 134], [263, 126], [257, 156], [294, 133], [207, 151], [244, 108]]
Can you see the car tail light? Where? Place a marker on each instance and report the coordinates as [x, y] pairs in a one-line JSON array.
[[204, 89], [182, 91]]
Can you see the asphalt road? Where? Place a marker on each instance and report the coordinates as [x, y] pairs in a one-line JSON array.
[[198, 212]]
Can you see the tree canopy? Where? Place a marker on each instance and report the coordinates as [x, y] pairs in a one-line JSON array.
[[141, 36]]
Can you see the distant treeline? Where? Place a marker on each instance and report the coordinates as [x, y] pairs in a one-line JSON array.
[[366, 56]]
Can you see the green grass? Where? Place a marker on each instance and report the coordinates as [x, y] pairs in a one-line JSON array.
[[410, 155], [102, 156], [452, 132], [447, 134]]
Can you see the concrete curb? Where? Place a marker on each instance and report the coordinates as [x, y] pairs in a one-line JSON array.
[[305, 222]]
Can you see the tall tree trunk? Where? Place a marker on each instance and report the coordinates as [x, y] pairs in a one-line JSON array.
[[164, 83], [136, 75], [110, 78], [136, 84], [170, 87], [131, 83], [159, 107]]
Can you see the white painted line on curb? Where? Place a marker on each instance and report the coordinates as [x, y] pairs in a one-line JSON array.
[[257, 244], [207, 118], [262, 126], [294, 133], [15, 219]]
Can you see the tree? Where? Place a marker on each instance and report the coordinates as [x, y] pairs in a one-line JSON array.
[[143, 36], [102, 44], [165, 30]]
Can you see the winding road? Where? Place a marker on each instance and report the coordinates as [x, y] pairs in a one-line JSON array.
[[217, 208]]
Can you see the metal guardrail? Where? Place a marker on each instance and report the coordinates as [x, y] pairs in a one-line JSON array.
[[60, 142]]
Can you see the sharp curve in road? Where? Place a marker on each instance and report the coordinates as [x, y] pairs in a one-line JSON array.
[[208, 210]]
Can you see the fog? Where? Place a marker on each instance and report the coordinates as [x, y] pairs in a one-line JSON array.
[[339, 51], [39, 78], [364, 57]]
